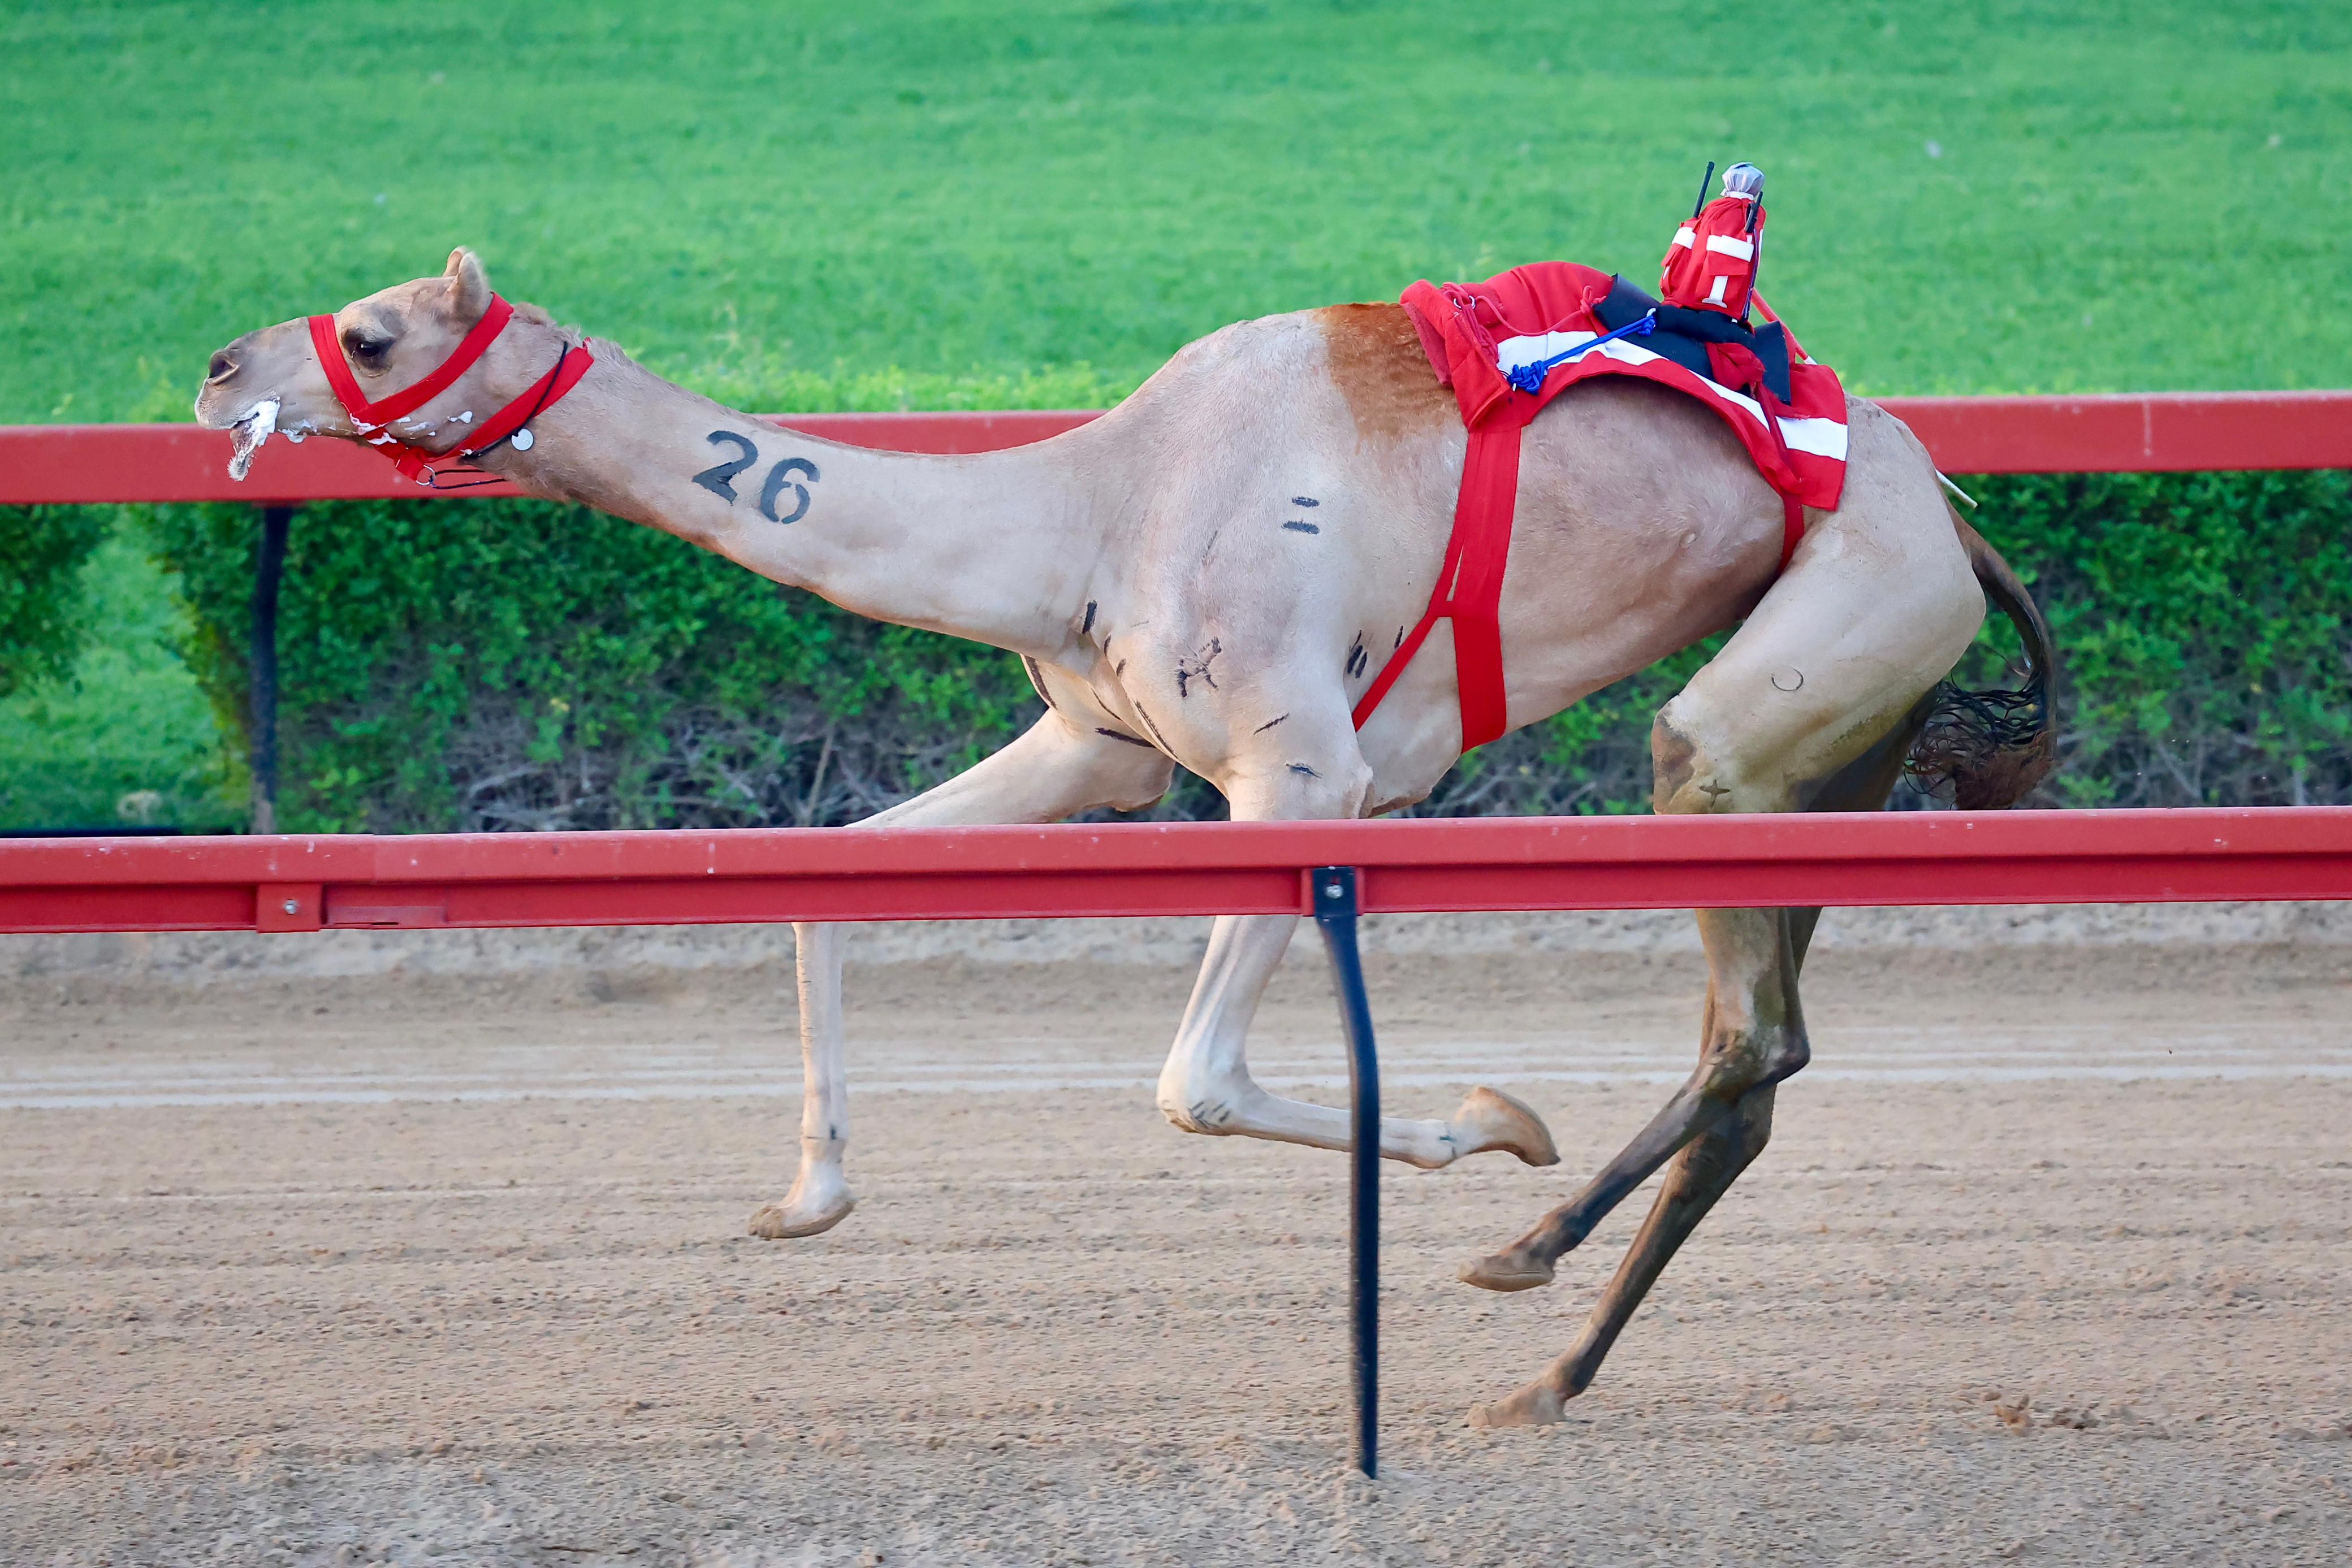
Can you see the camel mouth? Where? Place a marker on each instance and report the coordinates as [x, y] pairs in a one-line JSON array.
[[247, 434]]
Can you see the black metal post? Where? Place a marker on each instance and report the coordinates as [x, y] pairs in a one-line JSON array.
[[1335, 913], [269, 567]]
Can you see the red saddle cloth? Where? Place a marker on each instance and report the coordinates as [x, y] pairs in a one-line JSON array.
[[1475, 335]]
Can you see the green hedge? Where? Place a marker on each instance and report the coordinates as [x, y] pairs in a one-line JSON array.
[[495, 665], [2204, 630], [124, 736], [42, 550], [515, 664]]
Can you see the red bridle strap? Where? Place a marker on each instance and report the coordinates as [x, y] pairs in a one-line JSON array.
[[414, 461], [408, 401]]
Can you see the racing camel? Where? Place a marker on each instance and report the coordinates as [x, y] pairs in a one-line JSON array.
[[1195, 576]]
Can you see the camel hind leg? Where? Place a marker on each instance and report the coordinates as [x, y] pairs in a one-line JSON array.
[[1701, 1173], [1812, 705], [1703, 1169]]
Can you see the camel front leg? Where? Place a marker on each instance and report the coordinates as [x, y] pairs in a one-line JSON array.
[[1053, 770], [820, 1197], [1206, 1085]]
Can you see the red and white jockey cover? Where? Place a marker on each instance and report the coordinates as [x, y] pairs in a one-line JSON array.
[[1475, 333], [1711, 265]]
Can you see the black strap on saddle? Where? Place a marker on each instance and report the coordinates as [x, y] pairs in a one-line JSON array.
[[1682, 335]]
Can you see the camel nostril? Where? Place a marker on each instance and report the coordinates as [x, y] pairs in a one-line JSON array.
[[223, 367]]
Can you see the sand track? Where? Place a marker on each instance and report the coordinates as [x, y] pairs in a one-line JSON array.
[[2049, 1260]]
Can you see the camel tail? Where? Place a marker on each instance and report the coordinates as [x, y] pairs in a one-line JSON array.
[[1991, 747]]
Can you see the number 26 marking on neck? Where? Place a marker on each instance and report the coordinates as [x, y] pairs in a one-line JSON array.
[[720, 480]]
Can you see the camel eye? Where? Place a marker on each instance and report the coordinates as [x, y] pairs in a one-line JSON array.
[[363, 347]]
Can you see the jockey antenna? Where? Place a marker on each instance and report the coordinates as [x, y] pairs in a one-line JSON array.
[[1704, 181]]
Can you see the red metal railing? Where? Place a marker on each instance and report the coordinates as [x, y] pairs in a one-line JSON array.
[[358, 881], [2135, 433]]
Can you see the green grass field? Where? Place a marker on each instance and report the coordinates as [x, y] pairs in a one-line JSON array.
[[807, 206]]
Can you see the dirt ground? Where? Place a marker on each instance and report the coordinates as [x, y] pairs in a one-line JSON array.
[[2048, 1261]]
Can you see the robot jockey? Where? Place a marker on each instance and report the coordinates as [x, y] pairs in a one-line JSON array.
[[1711, 265]]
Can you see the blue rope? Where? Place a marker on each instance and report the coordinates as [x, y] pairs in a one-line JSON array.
[[1529, 379]]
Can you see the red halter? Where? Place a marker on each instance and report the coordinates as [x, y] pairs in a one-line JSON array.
[[414, 461]]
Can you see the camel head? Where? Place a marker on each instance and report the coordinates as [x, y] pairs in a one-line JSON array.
[[271, 380]]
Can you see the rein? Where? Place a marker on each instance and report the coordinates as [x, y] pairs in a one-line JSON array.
[[510, 424]]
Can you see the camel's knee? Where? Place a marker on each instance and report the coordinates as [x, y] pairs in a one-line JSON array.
[[1708, 756], [1751, 1057], [1307, 783], [1200, 1098], [1695, 764], [1751, 738], [1673, 759]]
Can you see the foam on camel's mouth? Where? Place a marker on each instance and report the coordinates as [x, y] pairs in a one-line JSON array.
[[246, 436]]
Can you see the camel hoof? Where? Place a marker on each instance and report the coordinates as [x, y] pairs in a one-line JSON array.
[[1511, 1271], [781, 1221], [1536, 1404], [1493, 1120]]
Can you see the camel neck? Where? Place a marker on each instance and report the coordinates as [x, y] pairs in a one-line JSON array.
[[995, 547]]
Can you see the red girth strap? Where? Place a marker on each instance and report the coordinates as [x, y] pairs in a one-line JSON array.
[[1470, 584], [414, 461], [1792, 528]]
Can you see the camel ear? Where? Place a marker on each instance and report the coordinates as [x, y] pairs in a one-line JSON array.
[[470, 286]]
